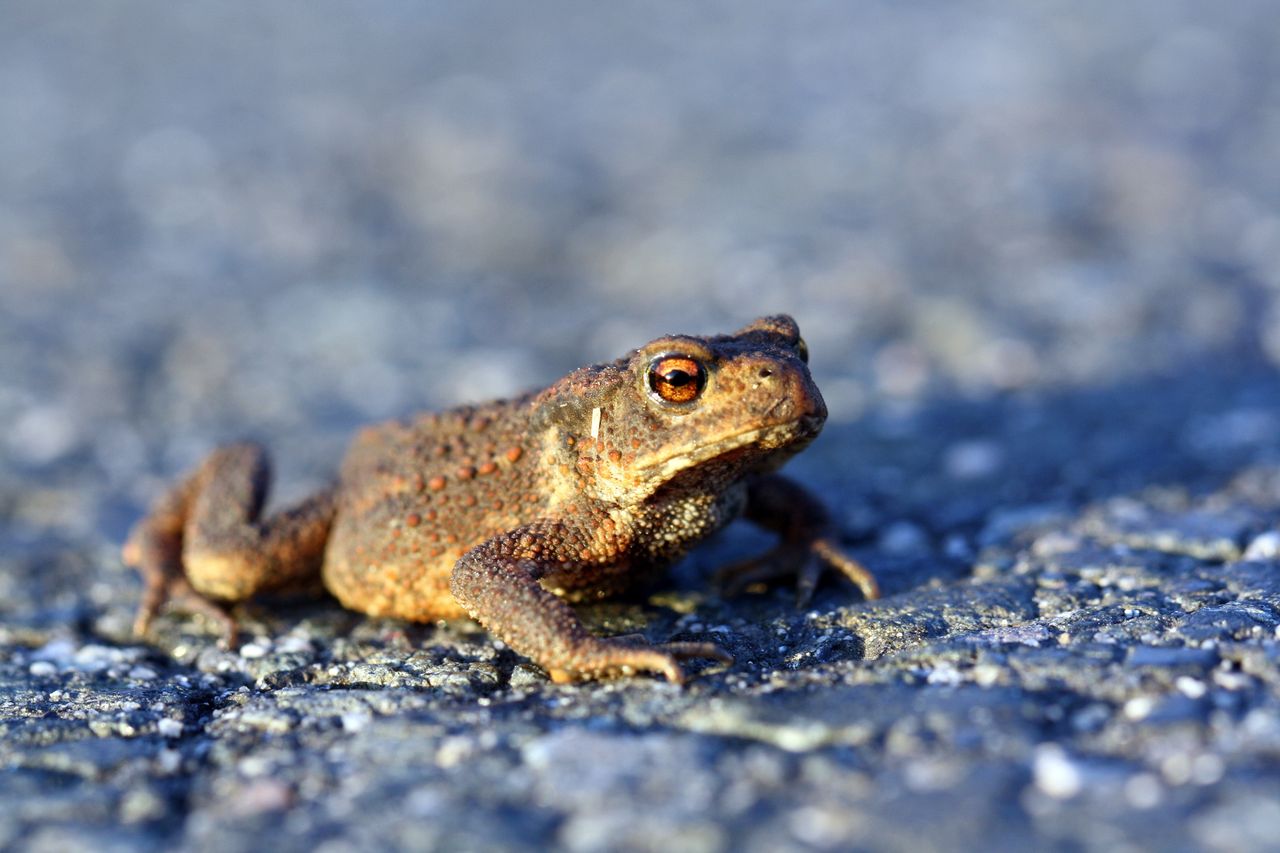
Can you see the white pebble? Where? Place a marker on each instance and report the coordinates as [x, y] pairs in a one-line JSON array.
[[1055, 542], [1230, 680], [1143, 791], [142, 673], [252, 651], [59, 651], [1055, 774], [1206, 769], [1139, 707], [1264, 547], [169, 760], [1192, 688], [95, 658], [986, 674], [945, 674], [1176, 768], [354, 721], [43, 669], [295, 644], [169, 728], [42, 433]]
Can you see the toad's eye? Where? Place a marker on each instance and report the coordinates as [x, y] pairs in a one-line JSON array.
[[676, 378], [802, 350]]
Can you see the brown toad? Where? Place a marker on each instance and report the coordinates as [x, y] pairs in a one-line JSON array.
[[504, 511]]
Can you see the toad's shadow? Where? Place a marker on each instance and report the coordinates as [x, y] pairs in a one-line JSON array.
[[918, 491]]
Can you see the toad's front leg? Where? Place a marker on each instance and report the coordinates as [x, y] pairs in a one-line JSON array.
[[809, 541], [497, 582]]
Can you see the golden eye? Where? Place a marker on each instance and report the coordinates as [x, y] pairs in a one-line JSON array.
[[802, 350], [676, 378]]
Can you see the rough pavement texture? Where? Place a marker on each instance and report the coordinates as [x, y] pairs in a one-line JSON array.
[[1035, 253]]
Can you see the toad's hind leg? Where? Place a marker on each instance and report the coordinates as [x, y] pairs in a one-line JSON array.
[[204, 541]]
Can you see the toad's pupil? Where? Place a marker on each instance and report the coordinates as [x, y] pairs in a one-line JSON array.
[[676, 379]]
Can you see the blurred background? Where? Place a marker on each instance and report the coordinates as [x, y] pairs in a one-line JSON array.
[[285, 219]]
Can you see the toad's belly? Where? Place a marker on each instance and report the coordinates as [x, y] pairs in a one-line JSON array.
[[416, 496], [397, 564], [390, 569]]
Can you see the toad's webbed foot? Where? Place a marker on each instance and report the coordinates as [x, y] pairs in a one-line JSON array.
[[497, 582], [804, 561], [164, 584], [808, 546], [602, 658]]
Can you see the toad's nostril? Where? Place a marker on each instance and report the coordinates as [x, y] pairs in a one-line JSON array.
[[766, 372]]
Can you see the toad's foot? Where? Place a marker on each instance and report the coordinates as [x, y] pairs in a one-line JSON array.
[[806, 562], [165, 584], [497, 583], [614, 656]]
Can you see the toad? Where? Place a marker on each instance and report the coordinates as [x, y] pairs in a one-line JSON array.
[[509, 511]]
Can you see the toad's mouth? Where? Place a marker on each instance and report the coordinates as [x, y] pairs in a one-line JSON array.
[[775, 444]]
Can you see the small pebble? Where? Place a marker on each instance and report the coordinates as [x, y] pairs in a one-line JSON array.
[[1055, 542], [1207, 768], [60, 650], [169, 728], [170, 760], [985, 674], [293, 644], [1192, 688], [945, 674], [1139, 707], [1055, 773], [142, 673], [95, 658], [355, 721], [1091, 717], [1264, 547], [260, 796], [1176, 768], [1230, 680], [252, 651], [141, 805], [43, 669], [1143, 791]]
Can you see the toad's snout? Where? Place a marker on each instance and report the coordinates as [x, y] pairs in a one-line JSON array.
[[784, 394]]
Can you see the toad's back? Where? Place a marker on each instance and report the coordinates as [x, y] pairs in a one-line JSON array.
[[415, 496]]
